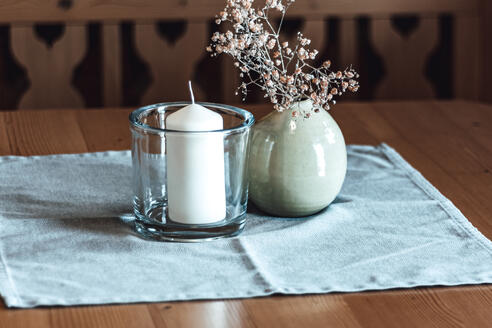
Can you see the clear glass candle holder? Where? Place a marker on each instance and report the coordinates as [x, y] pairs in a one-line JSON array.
[[156, 173]]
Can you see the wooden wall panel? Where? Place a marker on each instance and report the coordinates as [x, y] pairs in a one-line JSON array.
[[404, 59], [173, 63], [49, 68], [84, 10]]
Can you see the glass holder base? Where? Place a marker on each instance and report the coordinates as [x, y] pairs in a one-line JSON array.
[[176, 232]]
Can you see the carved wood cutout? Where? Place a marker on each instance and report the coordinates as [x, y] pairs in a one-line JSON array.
[[135, 74], [347, 52], [370, 63], [88, 74], [13, 77], [50, 69], [172, 65], [317, 31], [405, 59], [290, 26], [439, 65], [405, 25], [348, 42], [49, 33]]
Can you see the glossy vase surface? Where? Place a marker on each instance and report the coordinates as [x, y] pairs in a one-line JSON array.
[[297, 165]]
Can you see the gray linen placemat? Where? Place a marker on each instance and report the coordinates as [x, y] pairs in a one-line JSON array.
[[66, 238]]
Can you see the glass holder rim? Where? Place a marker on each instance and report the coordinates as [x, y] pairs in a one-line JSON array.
[[135, 115]]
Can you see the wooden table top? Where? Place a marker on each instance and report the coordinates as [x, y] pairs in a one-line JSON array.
[[450, 143]]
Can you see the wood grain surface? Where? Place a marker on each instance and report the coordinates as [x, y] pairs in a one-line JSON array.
[[450, 143]]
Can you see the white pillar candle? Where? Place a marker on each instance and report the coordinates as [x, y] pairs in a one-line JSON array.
[[195, 166]]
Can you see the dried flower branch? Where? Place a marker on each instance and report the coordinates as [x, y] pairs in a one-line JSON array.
[[284, 73]]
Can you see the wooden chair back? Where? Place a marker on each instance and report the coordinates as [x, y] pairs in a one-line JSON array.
[[92, 53]]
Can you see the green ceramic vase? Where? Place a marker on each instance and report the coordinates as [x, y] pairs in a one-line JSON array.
[[297, 165]]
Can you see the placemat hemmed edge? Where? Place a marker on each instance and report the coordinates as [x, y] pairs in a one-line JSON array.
[[453, 212], [139, 299]]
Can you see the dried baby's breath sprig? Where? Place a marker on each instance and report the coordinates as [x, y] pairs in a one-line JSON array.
[[283, 72]]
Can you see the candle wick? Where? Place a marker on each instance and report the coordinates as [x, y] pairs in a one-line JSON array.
[[191, 93]]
